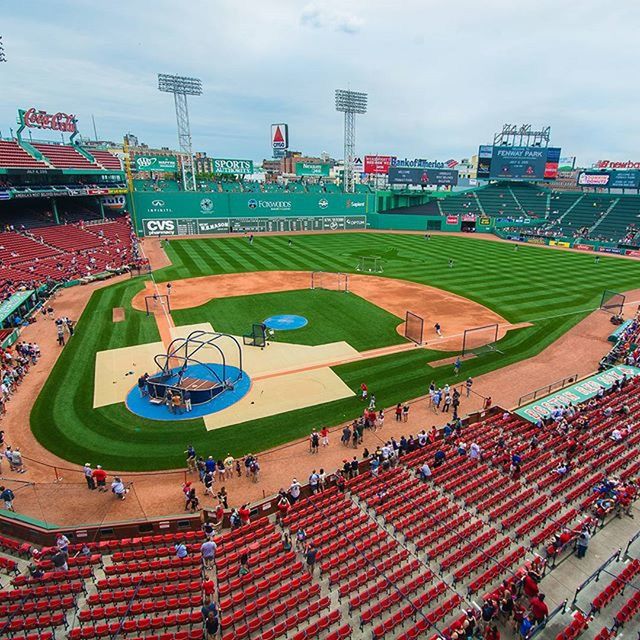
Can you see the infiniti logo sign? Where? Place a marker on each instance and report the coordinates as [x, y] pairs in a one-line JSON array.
[[157, 203]]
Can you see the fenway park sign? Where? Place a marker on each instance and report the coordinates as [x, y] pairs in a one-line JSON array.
[[38, 119]]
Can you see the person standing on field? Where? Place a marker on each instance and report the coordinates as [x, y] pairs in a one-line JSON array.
[[88, 476]]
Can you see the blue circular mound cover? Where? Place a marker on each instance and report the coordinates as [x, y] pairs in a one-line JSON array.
[[143, 408], [286, 322]]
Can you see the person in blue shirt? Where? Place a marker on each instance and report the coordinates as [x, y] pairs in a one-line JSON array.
[[525, 626]]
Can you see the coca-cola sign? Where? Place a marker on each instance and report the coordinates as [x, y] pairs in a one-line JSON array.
[[39, 119]]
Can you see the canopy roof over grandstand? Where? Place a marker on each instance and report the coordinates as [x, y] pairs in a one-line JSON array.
[[11, 304]]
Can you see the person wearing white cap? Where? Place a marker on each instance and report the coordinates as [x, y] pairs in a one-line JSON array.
[[88, 476]]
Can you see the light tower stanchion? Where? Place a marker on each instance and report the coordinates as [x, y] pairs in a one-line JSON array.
[[181, 87]]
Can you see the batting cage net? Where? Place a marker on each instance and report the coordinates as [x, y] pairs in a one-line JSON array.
[[257, 337], [369, 264], [140, 270], [157, 304], [612, 302], [480, 340], [330, 281], [413, 327]]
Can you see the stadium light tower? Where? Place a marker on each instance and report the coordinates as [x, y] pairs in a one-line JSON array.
[[181, 87], [350, 103]]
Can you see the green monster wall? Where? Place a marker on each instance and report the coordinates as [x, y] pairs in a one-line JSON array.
[[173, 213]]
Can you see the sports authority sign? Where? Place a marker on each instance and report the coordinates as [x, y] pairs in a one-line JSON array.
[[227, 165], [39, 119]]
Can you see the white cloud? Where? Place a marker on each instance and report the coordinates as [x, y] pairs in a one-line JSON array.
[[441, 77], [323, 17]]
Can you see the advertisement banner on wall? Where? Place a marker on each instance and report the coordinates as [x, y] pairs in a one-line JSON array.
[[586, 179], [377, 164], [424, 177], [452, 219], [312, 169], [567, 163], [576, 393], [230, 166], [484, 222], [485, 153], [627, 179], [168, 164], [197, 226]]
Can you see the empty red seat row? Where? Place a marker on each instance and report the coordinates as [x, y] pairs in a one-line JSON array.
[[146, 607], [140, 625], [103, 598]]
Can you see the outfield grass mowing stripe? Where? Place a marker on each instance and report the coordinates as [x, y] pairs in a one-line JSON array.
[[554, 289]]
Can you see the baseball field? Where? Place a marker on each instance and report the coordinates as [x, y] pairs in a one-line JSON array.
[[542, 292]]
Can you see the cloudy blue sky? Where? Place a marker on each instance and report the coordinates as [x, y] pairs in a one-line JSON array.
[[441, 76]]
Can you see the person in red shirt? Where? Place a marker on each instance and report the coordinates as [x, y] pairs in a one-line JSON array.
[[364, 391], [100, 476], [539, 609], [565, 537], [492, 633], [530, 586], [245, 514], [283, 506]]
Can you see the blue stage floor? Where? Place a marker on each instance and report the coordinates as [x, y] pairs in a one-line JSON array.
[[143, 408]]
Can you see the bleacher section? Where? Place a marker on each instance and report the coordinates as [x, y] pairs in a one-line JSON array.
[[106, 159], [62, 156], [398, 557], [13, 155], [62, 253], [622, 219]]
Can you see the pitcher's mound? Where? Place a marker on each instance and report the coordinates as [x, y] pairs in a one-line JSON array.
[[118, 314]]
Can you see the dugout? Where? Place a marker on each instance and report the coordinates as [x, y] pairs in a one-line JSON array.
[[468, 226]]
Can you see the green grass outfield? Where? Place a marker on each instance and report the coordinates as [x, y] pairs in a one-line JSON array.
[[331, 315], [552, 289]]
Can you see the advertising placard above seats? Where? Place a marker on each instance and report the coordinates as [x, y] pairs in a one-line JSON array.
[[153, 162], [312, 169]]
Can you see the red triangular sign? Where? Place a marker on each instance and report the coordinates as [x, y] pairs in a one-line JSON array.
[[277, 136]]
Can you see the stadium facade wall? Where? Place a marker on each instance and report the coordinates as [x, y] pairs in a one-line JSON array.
[[223, 211]]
